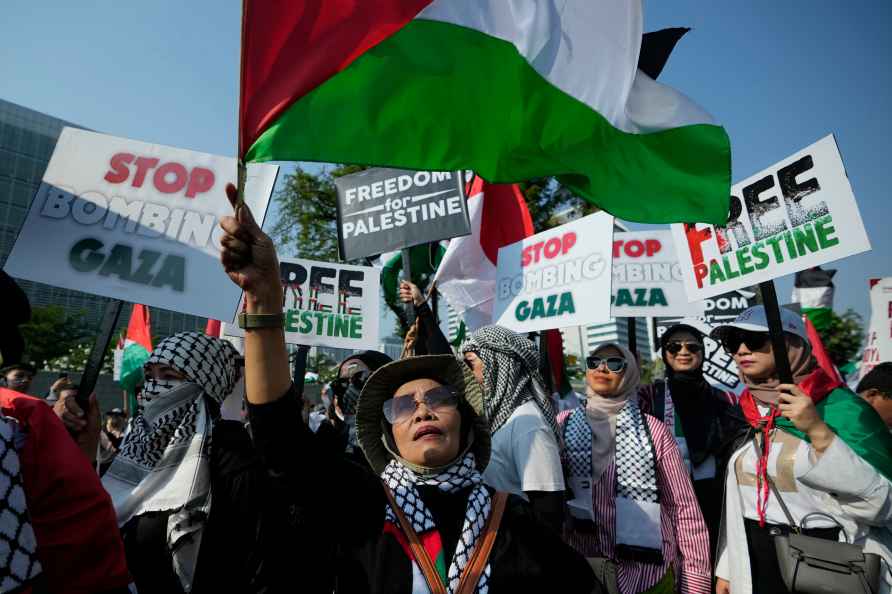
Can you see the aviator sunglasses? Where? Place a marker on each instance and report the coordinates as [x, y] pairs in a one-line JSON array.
[[400, 408], [614, 364]]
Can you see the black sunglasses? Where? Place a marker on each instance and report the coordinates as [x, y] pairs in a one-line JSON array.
[[673, 348], [358, 380], [734, 337], [614, 364]]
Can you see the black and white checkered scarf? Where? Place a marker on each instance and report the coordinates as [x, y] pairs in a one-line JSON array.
[[510, 373], [18, 545], [164, 460], [460, 475]]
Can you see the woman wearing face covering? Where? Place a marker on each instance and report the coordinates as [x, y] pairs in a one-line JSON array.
[[525, 438], [184, 481], [423, 521], [633, 513], [702, 418], [823, 448]]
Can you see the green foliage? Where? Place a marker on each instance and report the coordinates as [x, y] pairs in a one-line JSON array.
[[51, 333], [308, 213], [843, 336], [76, 359], [652, 371], [545, 197]]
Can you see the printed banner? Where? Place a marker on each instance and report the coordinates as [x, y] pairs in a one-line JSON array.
[[382, 210], [718, 366], [327, 304], [878, 346], [135, 221], [647, 278], [557, 278], [794, 215]]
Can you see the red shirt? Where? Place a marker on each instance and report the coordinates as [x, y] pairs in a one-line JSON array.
[[78, 541]]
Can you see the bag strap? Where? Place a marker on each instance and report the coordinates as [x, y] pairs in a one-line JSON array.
[[780, 500], [424, 561], [467, 584]]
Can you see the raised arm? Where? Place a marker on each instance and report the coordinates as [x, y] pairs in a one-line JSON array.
[[250, 260]]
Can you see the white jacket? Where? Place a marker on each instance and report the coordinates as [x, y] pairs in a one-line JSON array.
[[861, 501]]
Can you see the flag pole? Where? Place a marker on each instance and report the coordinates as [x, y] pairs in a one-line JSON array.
[[632, 336], [97, 354], [242, 172], [776, 331]]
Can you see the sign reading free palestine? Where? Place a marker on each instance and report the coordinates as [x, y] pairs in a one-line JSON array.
[[557, 278], [135, 221], [794, 215], [328, 304]]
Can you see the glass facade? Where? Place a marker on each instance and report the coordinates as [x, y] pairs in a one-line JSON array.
[[27, 139]]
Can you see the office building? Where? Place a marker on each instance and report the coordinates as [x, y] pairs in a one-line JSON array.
[[27, 139]]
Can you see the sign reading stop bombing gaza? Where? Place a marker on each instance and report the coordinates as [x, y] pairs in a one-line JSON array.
[[135, 221], [381, 210], [560, 277], [328, 304], [794, 215], [647, 277]]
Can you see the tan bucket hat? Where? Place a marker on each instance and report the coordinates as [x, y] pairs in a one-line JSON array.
[[446, 369]]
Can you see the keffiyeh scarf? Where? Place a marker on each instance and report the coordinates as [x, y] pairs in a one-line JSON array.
[[18, 545], [164, 459], [511, 375], [456, 477]]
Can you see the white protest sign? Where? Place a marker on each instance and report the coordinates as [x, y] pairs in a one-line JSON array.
[[647, 278], [557, 278], [328, 304], [794, 215], [135, 221], [878, 347]]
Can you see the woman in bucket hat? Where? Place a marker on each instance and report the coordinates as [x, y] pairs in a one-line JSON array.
[[424, 523], [812, 445]]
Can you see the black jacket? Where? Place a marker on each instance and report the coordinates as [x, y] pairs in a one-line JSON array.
[[343, 505]]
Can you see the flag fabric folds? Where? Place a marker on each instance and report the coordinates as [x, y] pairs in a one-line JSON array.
[[135, 348], [512, 89]]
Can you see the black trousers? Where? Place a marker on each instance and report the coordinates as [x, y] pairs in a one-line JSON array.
[[764, 569]]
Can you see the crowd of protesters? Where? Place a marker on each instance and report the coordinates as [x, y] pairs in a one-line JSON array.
[[442, 471]]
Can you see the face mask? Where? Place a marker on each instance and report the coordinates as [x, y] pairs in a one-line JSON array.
[[158, 387]]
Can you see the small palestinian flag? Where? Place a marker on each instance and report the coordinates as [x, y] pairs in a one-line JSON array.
[[134, 350], [813, 290], [512, 92]]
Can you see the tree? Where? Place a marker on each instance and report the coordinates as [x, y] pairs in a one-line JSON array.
[[546, 197], [51, 333], [843, 336], [652, 371], [76, 359]]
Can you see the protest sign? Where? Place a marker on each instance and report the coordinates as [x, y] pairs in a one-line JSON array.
[[718, 366], [382, 210], [794, 215], [878, 345], [328, 304], [647, 278], [135, 221], [557, 278]]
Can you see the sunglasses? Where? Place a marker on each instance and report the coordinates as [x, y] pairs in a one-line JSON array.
[[400, 409], [614, 364], [733, 338], [673, 348], [357, 380]]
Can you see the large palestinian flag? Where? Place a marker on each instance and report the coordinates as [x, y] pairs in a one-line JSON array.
[[510, 89]]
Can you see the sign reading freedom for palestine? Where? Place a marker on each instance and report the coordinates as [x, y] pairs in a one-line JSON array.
[[328, 304], [794, 215], [557, 278], [382, 210], [135, 221]]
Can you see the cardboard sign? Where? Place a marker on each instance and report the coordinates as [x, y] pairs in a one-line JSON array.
[[135, 221], [557, 278], [647, 278], [878, 346], [718, 366], [328, 304], [794, 215], [381, 210]]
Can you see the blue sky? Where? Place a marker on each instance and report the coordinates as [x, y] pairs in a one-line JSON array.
[[778, 75]]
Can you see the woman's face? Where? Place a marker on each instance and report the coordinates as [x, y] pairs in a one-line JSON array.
[[159, 371], [475, 364], [427, 438], [756, 364], [601, 380], [684, 359]]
